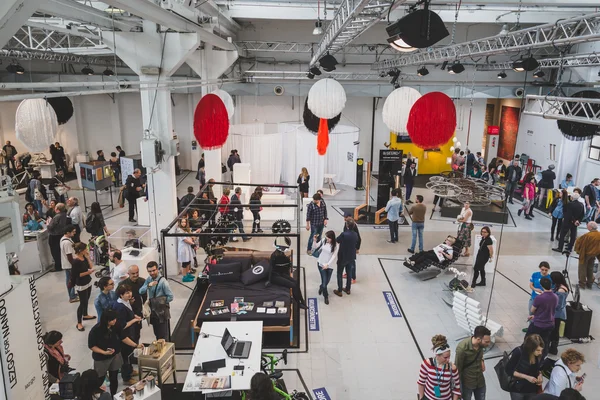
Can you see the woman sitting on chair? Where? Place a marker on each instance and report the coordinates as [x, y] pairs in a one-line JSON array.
[[439, 253]]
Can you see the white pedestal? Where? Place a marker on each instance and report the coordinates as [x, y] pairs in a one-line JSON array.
[[143, 212], [275, 213], [82, 158], [146, 255], [35, 255], [47, 170]]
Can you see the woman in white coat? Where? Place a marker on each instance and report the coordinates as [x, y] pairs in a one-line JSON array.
[[185, 250], [326, 252]]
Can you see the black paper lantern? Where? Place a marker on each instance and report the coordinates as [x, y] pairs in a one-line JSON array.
[[580, 131], [311, 122], [62, 107]]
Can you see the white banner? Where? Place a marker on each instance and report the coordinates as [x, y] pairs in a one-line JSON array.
[[22, 346]]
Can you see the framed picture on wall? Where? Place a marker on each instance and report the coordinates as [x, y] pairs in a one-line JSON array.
[[509, 128], [82, 173]]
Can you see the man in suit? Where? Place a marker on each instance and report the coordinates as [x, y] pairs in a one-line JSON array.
[[573, 214], [513, 176], [347, 241], [238, 213], [409, 179]]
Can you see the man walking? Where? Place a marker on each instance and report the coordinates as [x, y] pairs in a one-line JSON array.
[[137, 300], [393, 210], [409, 180], [417, 213], [66, 258], [10, 153], [470, 365], [134, 188], [573, 214], [542, 311], [513, 176], [316, 220], [238, 212], [588, 248], [156, 286], [349, 221], [187, 199], [347, 241], [56, 229], [76, 216]]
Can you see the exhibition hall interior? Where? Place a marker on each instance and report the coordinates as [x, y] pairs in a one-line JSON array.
[[303, 199]]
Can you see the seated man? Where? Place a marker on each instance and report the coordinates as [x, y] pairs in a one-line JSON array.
[[132, 240], [439, 253], [280, 272]]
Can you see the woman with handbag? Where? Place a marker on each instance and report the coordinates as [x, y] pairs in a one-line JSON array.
[[81, 280], [57, 360], [485, 254], [466, 226], [524, 365], [326, 253], [438, 376]]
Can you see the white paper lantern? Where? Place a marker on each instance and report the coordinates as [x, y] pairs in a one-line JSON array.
[[227, 100], [396, 109], [326, 98], [36, 124]]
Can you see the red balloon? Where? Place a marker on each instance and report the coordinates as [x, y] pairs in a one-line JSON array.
[[432, 120], [211, 122]]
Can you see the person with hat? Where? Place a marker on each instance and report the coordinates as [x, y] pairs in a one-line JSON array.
[[133, 240], [280, 270], [546, 184]]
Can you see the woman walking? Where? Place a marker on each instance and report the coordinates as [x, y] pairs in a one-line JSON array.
[[561, 289], [82, 282], [524, 366], [302, 181], [438, 376], [255, 208], [105, 342], [326, 260], [557, 211], [485, 254], [107, 295], [94, 222], [528, 196], [465, 227], [185, 251]]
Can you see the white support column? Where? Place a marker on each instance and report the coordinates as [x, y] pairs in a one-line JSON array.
[[13, 15], [167, 51]]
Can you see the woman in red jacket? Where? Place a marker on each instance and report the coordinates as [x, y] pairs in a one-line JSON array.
[[528, 196], [224, 201]]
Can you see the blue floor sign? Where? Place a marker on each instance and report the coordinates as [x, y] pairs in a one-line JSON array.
[[321, 394], [313, 314], [392, 305]]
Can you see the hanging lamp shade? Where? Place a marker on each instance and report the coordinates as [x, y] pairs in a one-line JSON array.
[[36, 124], [211, 123], [579, 131], [62, 107], [326, 100], [396, 109], [311, 122], [227, 100], [432, 120]]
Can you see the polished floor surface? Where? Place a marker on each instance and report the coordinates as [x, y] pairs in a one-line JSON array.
[[361, 351]]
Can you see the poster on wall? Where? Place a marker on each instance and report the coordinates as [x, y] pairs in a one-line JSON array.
[[126, 168], [509, 127]]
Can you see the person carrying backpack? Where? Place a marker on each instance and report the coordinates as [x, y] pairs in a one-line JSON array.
[[524, 366], [94, 222]]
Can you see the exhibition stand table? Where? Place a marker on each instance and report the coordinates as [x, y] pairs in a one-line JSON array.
[[47, 169], [35, 255], [147, 394], [210, 349]]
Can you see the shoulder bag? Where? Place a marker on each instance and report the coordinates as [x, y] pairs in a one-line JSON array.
[[316, 252], [159, 307], [506, 381]]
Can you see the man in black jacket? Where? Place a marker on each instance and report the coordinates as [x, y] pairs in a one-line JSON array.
[[238, 212], [187, 199], [547, 183], [513, 176], [349, 221], [9, 155], [347, 241], [134, 188], [409, 179], [573, 213]]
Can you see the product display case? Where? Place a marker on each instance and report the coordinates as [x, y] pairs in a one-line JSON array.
[[136, 247], [161, 364]]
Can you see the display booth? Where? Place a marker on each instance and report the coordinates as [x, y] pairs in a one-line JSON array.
[[94, 176], [135, 243]]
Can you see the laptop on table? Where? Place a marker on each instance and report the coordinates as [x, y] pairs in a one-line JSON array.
[[233, 347]]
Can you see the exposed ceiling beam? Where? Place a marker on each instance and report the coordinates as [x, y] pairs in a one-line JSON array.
[[61, 29], [581, 110], [570, 60], [209, 7], [13, 14], [49, 56], [293, 47], [313, 4], [76, 11]]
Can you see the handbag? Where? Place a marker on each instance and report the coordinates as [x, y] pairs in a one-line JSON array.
[[316, 252], [504, 379], [159, 307], [37, 195], [471, 226]]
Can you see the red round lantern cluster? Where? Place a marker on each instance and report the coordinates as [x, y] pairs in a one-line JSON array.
[[211, 122], [432, 120]]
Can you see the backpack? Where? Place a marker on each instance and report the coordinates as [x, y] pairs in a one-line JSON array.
[[92, 223], [504, 378]]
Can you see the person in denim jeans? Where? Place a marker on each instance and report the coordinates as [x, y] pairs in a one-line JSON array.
[[316, 220], [417, 213], [393, 209], [346, 258], [327, 259], [66, 255]]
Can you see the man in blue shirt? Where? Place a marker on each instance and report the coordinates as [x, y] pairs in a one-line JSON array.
[[567, 182], [157, 286], [534, 283], [393, 210], [347, 241]]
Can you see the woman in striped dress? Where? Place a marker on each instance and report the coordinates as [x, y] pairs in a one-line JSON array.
[[438, 377]]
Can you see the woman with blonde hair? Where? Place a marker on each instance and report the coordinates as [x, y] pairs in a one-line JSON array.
[[302, 181], [438, 376], [524, 365]]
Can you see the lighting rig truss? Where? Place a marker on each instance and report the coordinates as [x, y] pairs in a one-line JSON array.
[[351, 19], [572, 109], [569, 31], [46, 37], [252, 76], [291, 47], [58, 57], [571, 60]]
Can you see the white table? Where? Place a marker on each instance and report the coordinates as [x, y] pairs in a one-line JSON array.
[[275, 213], [329, 179], [209, 349], [149, 394], [47, 170]]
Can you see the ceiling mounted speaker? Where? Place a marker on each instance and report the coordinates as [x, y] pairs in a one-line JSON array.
[[577, 130], [278, 90], [519, 92]]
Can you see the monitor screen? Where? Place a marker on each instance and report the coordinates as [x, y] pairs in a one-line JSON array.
[[227, 340]]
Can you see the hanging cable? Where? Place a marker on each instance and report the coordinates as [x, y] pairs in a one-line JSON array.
[[162, 57], [455, 22]]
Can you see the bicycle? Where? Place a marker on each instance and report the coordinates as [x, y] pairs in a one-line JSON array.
[[268, 364]]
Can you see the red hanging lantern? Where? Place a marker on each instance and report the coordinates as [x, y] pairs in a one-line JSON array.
[[432, 120], [322, 137], [211, 122]]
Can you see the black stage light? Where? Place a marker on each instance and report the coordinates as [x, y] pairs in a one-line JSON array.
[[417, 30], [422, 71], [395, 74], [315, 71], [328, 62], [108, 72], [15, 68], [310, 75], [456, 68], [502, 75], [530, 64], [87, 70], [539, 74]]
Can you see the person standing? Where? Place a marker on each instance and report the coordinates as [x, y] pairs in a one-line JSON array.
[[134, 188], [129, 334], [409, 180], [302, 181], [534, 284], [156, 287], [238, 213], [513, 176], [82, 269], [524, 365], [417, 213], [438, 377], [564, 373], [234, 158], [470, 162], [185, 251], [115, 166], [528, 196], [224, 202], [37, 192], [10, 153], [567, 182], [349, 221], [346, 261], [485, 254], [105, 342], [557, 212], [588, 248], [94, 222], [591, 200], [59, 187], [316, 220], [547, 183], [561, 289], [393, 208], [542, 310], [56, 229], [464, 230], [106, 297], [470, 365], [137, 300], [100, 154], [326, 260], [76, 217], [119, 272], [59, 157], [120, 151], [187, 199], [574, 212], [480, 160], [66, 260], [255, 209]]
